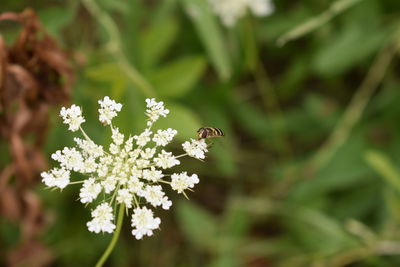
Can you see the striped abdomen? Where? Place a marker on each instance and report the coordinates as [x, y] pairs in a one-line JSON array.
[[207, 132]]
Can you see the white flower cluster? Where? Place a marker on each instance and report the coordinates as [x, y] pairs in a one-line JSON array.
[[195, 148], [155, 110], [123, 174], [108, 110], [73, 117], [230, 11]]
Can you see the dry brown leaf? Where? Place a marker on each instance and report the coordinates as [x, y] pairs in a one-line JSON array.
[[34, 74]]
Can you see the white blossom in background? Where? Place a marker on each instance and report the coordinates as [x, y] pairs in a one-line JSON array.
[[131, 171], [230, 11], [261, 8]]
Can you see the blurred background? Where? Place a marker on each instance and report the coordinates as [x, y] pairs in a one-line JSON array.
[[306, 92]]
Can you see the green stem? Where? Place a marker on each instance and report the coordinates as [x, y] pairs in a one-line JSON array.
[[268, 93], [313, 23], [76, 182], [114, 239], [357, 105], [182, 155], [85, 135]]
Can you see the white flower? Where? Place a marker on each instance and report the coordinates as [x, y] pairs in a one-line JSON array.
[[89, 165], [69, 158], [123, 178], [153, 194], [142, 163], [195, 148], [89, 147], [181, 181], [124, 196], [166, 203], [102, 219], [114, 149], [109, 184], [73, 117], [230, 11], [152, 174], [135, 185], [108, 110], [143, 222], [89, 191], [117, 137], [143, 138], [103, 166], [58, 177], [136, 173], [155, 110], [164, 137], [148, 153], [166, 160], [128, 145], [128, 173], [133, 155]]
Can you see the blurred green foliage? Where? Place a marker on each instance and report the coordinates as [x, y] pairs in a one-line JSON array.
[[265, 198]]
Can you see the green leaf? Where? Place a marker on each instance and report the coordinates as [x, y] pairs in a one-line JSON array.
[[345, 169], [249, 45], [178, 77], [182, 119], [344, 50], [313, 227], [197, 224], [384, 167], [235, 226], [156, 41], [236, 219], [207, 28]]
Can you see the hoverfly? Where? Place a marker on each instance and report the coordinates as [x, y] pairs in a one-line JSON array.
[[208, 132]]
